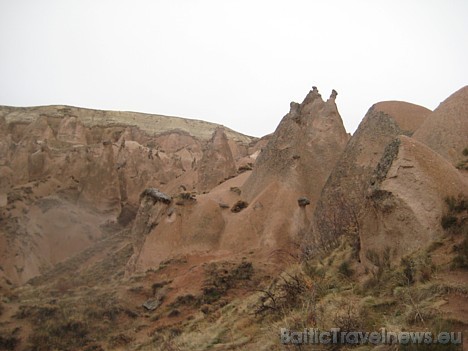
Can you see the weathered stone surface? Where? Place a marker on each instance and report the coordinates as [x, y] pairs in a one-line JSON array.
[[406, 200], [343, 197], [446, 129]]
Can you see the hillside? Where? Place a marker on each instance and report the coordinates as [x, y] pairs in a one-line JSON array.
[[149, 123], [126, 231]]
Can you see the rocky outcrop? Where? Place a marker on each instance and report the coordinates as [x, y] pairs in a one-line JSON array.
[[302, 151], [445, 130], [343, 196], [100, 184], [406, 200], [157, 196], [295, 163], [163, 230], [153, 207], [217, 163]]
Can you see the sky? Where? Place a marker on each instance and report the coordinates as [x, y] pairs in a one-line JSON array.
[[238, 63]]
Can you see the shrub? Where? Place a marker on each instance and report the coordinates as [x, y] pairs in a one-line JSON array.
[[186, 300], [8, 342], [120, 340], [462, 165], [220, 279], [461, 259], [236, 190], [345, 269], [283, 295], [448, 221], [457, 205], [409, 269], [239, 206], [187, 196]]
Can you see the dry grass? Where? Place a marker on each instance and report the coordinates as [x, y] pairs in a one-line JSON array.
[[234, 310]]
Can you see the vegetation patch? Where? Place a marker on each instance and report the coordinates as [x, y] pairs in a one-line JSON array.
[[222, 277], [8, 342], [239, 206]]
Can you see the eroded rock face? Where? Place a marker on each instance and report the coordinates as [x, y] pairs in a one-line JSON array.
[[446, 129], [153, 208], [295, 163], [264, 213], [71, 130], [406, 200], [100, 184], [343, 196], [95, 163], [217, 163], [302, 151], [65, 173], [163, 230]]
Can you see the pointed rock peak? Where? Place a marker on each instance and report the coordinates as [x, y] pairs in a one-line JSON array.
[[333, 94], [294, 107], [295, 110], [295, 153], [311, 96], [217, 163]]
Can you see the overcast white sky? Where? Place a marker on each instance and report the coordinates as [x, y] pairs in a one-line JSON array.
[[237, 63]]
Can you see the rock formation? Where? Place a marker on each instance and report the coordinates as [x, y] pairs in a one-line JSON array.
[[343, 196], [181, 234], [407, 199], [264, 215], [217, 163], [295, 162], [311, 134], [446, 129], [94, 164]]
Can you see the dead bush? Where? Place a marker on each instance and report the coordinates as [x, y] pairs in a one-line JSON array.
[[283, 294]]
